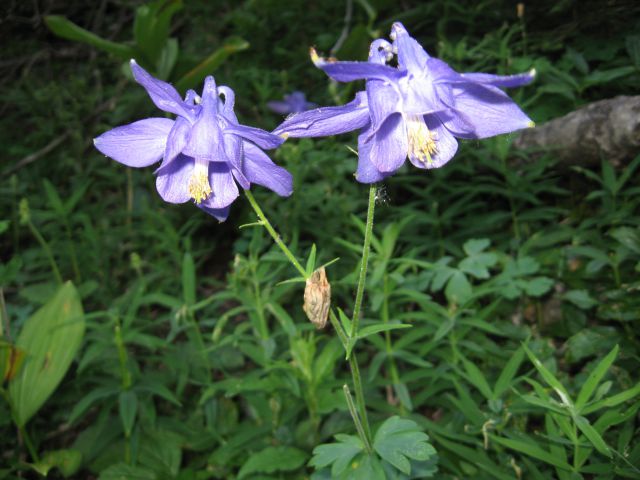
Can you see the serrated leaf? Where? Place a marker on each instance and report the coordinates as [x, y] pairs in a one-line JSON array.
[[338, 455], [273, 459], [50, 337], [478, 264], [398, 440], [475, 245]]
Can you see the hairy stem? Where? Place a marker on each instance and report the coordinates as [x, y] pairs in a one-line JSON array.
[[47, 250], [366, 247], [276, 238]]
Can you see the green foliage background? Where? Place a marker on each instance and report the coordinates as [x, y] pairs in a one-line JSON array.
[[520, 282]]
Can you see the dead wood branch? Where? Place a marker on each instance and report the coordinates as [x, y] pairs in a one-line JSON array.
[[607, 129]]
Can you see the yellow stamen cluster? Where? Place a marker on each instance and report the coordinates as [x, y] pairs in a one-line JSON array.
[[199, 187], [422, 141]]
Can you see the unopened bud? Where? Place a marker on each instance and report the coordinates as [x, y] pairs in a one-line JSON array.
[[23, 209], [136, 262], [317, 298], [520, 10]]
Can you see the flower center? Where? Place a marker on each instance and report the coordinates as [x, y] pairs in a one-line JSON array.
[[199, 187], [422, 141]]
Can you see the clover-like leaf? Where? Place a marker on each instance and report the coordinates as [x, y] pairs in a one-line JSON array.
[[338, 455], [478, 261], [398, 440]]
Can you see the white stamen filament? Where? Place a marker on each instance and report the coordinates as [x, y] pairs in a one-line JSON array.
[[422, 141], [199, 187]]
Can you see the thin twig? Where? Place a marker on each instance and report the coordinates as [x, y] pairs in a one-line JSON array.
[[345, 30]]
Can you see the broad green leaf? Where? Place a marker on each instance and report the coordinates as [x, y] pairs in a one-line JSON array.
[[11, 359], [128, 407], [338, 455], [50, 337], [398, 440], [365, 467], [593, 436], [209, 64], [66, 29], [273, 459], [594, 378], [532, 450]]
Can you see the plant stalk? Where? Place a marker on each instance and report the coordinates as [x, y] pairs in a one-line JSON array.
[[276, 238]]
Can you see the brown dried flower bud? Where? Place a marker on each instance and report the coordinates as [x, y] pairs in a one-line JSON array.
[[317, 298]]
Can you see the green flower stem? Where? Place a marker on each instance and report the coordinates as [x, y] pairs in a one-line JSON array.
[[363, 421], [23, 431], [395, 377], [366, 247], [357, 385], [125, 375], [47, 250], [356, 419], [276, 238]]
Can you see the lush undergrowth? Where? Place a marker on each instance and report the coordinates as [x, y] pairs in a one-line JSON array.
[[517, 279]]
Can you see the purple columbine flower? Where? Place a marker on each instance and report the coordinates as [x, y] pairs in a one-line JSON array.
[[204, 151], [295, 102], [415, 110]]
